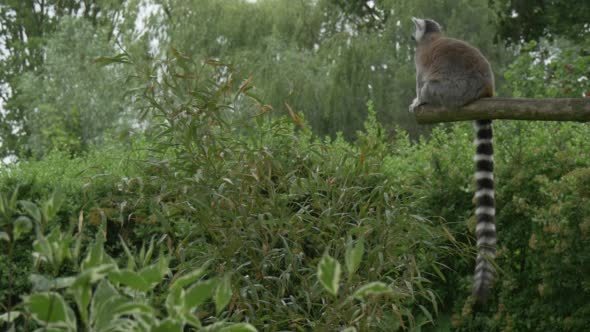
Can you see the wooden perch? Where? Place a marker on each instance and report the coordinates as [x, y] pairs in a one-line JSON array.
[[550, 109]]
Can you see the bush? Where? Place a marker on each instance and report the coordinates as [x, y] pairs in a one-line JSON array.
[[258, 198]]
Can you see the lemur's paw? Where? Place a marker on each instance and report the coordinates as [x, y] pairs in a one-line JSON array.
[[415, 104]]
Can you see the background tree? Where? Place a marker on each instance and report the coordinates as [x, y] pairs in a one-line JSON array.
[[71, 101], [25, 26], [524, 20]]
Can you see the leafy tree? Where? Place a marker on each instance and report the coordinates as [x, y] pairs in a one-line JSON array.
[[71, 101], [363, 13], [532, 19], [24, 28]]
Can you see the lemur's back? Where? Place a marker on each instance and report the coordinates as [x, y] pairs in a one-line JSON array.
[[446, 58]]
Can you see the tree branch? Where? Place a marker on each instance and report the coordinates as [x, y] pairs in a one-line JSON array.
[[550, 109]]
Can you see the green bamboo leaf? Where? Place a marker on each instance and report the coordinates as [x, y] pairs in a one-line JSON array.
[[426, 313], [329, 274], [107, 60], [372, 288]]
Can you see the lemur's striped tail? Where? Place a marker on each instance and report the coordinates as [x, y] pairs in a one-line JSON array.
[[485, 210]]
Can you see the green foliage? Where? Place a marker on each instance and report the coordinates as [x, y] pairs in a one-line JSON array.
[[62, 185], [540, 221], [232, 178], [63, 107], [532, 19], [26, 25], [550, 69], [225, 185], [107, 297], [227, 208], [364, 14]]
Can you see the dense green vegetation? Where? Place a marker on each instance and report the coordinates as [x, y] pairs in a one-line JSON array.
[[239, 166]]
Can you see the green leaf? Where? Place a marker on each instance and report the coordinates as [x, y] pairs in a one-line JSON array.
[[3, 205], [175, 301], [40, 282], [96, 256], [13, 200], [22, 225], [94, 274], [103, 293], [108, 308], [168, 325], [130, 279], [4, 237], [131, 264], [32, 210], [9, 317], [50, 207], [191, 319], [329, 274], [426, 313], [188, 278], [107, 60], [349, 329], [103, 317], [82, 294], [372, 288], [199, 293], [50, 309], [240, 327], [223, 293], [129, 308], [154, 273], [43, 284], [354, 255]]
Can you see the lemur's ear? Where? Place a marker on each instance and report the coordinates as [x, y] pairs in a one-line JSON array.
[[419, 23]]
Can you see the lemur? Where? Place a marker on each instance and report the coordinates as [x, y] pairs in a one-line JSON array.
[[452, 73]]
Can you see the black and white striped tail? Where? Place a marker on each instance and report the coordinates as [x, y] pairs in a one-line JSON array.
[[485, 210]]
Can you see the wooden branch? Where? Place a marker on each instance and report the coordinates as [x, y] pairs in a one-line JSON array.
[[550, 109]]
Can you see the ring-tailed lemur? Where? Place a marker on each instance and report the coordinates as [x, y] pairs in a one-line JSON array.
[[452, 73]]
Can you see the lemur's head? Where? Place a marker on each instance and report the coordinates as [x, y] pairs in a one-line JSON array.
[[424, 29]]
